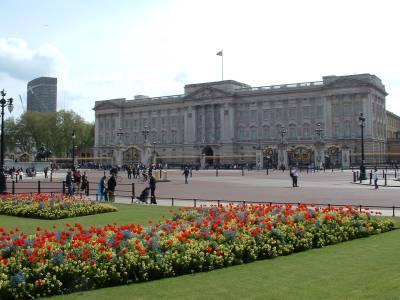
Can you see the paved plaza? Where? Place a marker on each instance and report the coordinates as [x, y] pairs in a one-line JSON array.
[[320, 187]]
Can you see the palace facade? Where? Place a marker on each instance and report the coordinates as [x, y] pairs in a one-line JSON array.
[[229, 122]]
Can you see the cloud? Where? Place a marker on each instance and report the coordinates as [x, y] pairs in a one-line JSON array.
[[19, 61]]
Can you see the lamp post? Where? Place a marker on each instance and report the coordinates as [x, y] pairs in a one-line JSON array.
[[318, 131], [9, 104], [73, 148], [361, 120]]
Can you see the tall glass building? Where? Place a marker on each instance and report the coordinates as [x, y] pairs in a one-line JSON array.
[[42, 94]]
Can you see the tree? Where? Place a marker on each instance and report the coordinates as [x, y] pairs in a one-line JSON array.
[[51, 130]]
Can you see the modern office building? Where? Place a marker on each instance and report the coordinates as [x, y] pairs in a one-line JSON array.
[[229, 122], [42, 94]]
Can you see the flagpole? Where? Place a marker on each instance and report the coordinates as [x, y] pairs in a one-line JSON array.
[[222, 56]]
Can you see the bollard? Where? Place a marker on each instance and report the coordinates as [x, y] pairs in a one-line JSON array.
[[172, 201], [354, 177], [393, 211], [63, 187], [370, 177], [16, 177], [38, 186], [194, 202], [395, 173], [13, 187], [357, 175], [385, 179]]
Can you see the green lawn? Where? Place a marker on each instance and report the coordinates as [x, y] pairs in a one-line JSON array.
[[367, 268], [126, 214]]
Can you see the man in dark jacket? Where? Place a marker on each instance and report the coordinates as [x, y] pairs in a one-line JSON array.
[[152, 184], [68, 183], [186, 173], [111, 184]]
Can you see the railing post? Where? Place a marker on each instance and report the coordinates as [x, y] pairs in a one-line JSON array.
[[370, 177], [13, 187], [354, 177], [38, 186], [16, 177], [194, 202], [385, 179], [172, 201], [63, 187], [393, 211], [395, 173]]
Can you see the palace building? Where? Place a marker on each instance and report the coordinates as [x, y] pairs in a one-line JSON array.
[[229, 122]]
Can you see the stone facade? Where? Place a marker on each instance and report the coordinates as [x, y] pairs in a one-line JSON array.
[[393, 136], [225, 122]]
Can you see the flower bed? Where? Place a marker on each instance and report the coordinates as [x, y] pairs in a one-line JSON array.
[[192, 240], [45, 206]]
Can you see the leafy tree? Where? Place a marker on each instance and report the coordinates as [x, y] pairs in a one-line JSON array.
[[52, 130]]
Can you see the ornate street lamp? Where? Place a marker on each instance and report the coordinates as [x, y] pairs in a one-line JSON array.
[[318, 131], [73, 148], [9, 104], [361, 120]]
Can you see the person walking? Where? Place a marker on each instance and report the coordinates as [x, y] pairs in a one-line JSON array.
[[68, 183], [186, 173], [291, 173], [152, 185], [111, 184], [45, 172], [129, 170], [375, 177], [295, 176], [85, 184]]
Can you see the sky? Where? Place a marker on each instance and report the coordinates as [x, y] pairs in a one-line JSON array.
[[102, 49]]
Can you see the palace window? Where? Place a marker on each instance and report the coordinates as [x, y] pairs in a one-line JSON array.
[[306, 131], [253, 116], [253, 133], [292, 131], [266, 132]]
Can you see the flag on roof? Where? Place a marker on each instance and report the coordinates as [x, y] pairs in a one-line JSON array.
[[219, 53]]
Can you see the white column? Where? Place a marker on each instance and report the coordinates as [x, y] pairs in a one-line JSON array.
[[222, 123], [185, 126]]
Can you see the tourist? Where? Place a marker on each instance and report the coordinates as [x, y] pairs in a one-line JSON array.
[[291, 173], [152, 185], [85, 184], [375, 177], [111, 184], [186, 173], [68, 183], [129, 170], [45, 171], [295, 176], [102, 189]]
